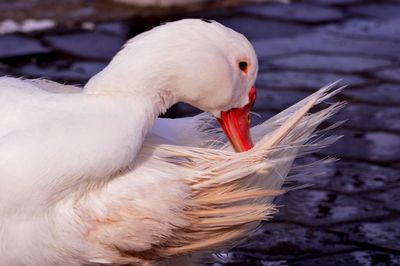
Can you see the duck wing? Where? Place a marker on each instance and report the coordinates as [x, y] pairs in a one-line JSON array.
[[180, 202]]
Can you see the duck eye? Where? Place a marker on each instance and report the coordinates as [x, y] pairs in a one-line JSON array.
[[243, 66]]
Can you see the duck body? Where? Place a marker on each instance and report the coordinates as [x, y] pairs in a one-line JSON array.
[[59, 135], [44, 124], [45, 136], [86, 178]]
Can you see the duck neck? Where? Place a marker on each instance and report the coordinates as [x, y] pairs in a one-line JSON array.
[[137, 101], [139, 87], [141, 76], [143, 87]]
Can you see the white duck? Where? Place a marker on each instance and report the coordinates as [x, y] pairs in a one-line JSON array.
[[83, 182]]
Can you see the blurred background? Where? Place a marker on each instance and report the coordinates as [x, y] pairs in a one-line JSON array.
[[351, 215]]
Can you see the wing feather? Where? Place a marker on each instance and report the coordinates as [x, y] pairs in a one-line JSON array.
[[219, 197]]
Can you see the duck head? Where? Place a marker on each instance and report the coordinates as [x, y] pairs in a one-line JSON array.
[[199, 62]]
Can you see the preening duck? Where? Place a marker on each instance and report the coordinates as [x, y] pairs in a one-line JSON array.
[[91, 176]]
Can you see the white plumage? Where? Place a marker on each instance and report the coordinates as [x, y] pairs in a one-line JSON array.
[[85, 178]]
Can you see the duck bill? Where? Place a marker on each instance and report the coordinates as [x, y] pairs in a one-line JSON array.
[[236, 125]]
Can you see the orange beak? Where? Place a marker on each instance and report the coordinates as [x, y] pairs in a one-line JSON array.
[[236, 124]]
